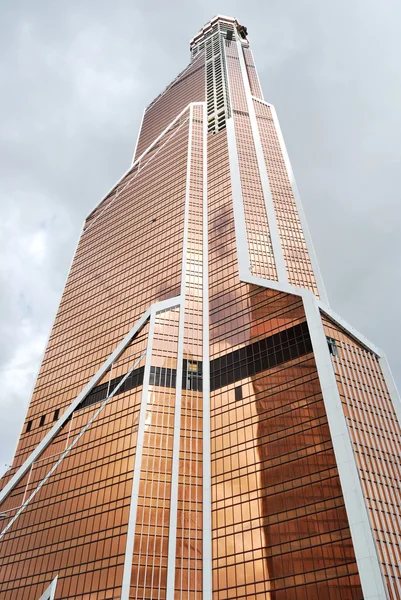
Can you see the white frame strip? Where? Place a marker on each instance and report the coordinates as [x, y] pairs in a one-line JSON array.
[[169, 126], [129, 547], [301, 213], [50, 591], [244, 265], [264, 178], [363, 538], [172, 538], [158, 307], [137, 139], [365, 549], [361, 339], [73, 443], [207, 582]]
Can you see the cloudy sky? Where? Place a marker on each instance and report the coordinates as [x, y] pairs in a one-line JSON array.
[[74, 79]]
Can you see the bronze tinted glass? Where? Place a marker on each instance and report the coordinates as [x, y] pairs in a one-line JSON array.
[[278, 527]]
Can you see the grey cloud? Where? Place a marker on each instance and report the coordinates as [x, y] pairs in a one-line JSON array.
[[75, 78]]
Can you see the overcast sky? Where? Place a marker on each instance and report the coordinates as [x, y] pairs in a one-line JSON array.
[[74, 79]]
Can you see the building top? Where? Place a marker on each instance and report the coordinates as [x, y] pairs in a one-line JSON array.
[[219, 22]]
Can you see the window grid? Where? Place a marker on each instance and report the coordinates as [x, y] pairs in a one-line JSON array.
[[188, 573], [76, 525], [376, 438], [252, 75], [257, 227], [276, 495], [186, 88], [296, 256]]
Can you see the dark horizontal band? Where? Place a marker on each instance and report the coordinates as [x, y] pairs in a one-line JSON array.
[[225, 370]]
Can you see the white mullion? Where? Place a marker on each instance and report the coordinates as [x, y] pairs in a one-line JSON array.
[[264, 179], [189, 432], [184, 437], [164, 509], [193, 459], [150, 496], [172, 542], [108, 385], [214, 89], [139, 135], [129, 548], [144, 474], [27, 484], [206, 469], [157, 498], [162, 429], [69, 431], [195, 399], [241, 238]]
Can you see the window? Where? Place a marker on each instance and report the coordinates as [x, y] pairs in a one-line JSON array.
[[28, 426], [42, 420], [56, 414], [333, 348], [238, 392]]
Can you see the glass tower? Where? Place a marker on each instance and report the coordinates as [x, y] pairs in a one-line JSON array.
[[203, 425]]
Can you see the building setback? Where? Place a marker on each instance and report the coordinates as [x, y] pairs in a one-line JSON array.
[[203, 425]]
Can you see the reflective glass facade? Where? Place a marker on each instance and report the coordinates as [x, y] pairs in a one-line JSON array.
[[376, 438], [203, 426]]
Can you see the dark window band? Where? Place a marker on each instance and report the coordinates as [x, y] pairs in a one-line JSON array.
[[260, 356], [225, 370]]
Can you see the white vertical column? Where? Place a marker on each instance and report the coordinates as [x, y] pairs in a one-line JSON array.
[[71, 408], [137, 139], [172, 539], [129, 548], [367, 559], [264, 179], [241, 240], [257, 74], [244, 265], [206, 457]]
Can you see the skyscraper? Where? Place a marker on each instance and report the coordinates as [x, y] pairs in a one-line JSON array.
[[203, 425]]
